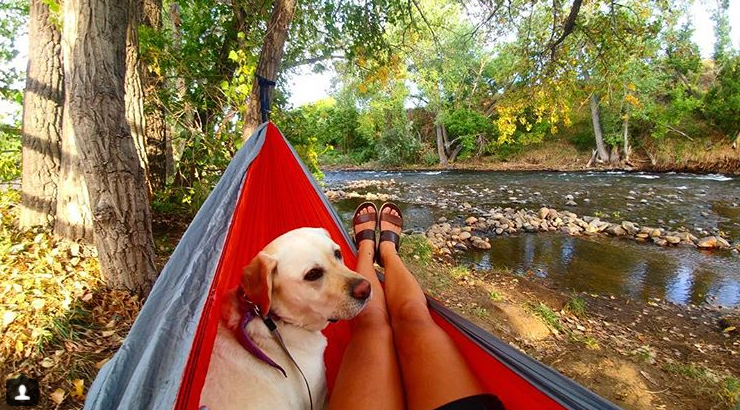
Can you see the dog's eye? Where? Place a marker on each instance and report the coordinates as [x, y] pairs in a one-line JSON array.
[[314, 274], [338, 254]]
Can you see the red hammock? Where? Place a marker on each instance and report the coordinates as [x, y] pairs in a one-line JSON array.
[[278, 195]]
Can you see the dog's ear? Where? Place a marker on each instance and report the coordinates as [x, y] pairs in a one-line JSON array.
[[257, 281]]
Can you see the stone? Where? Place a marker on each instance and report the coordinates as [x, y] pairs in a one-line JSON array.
[[569, 197], [461, 246], [655, 232], [466, 205], [709, 242], [544, 211], [616, 230], [465, 236], [722, 243], [481, 244], [659, 241], [629, 227], [571, 203], [673, 240], [471, 220], [442, 219]]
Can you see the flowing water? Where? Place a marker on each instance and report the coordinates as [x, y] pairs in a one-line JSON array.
[[705, 204]]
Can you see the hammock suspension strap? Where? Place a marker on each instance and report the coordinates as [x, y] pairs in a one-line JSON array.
[[265, 84]]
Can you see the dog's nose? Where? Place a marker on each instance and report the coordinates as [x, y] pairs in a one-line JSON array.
[[360, 289]]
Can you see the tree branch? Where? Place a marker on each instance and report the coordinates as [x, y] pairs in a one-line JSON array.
[[570, 24], [312, 60]]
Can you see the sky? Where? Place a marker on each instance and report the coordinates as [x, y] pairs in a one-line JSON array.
[[307, 87]]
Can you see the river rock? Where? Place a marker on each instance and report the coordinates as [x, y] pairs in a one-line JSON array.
[[616, 230], [655, 233], [629, 227], [571, 203], [709, 242], [442, 219], [722, 243], [659, 241], [471, 220], [465, 236], [481, 244], [569, 197], [673, 240], [544, 211]]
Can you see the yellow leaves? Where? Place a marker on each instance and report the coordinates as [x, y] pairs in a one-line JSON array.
[[79, 389], [633, 101], [631, 87], [8, 318], [58, 396]]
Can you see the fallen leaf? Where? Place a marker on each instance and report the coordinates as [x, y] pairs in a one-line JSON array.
[[47, 362], [99, 365], [8, 318], [108, 333], [58, 396], [729, 329], [79, 389], [37, 304], [74, 249]]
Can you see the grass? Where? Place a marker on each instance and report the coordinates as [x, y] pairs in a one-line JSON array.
[[547, 315], [481, 312], [459, 272], [495, 296], [725, 388], [417, 247], [576, 306]]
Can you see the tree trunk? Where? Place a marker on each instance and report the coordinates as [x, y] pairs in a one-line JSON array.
[[736, 143], [43, 102], [133, 91], [441, 149], [94, 57], [626, 148], [603, 155], [158, 146], [270, 57], [74, 221]]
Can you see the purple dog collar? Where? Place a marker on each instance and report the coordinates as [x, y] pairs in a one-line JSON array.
[[250, 312]]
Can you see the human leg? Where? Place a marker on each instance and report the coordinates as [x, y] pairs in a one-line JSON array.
[[433, 370], [369, 377]]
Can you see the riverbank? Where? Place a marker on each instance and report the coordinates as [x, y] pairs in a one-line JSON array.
[[640, 355], [703, 156]]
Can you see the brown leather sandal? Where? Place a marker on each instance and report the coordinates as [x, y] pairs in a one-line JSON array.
[[389, 236], [362, 218]]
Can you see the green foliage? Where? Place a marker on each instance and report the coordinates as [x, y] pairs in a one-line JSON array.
[[548, 316], [471, 127], [10, 156], [723, 100], [13, 21]]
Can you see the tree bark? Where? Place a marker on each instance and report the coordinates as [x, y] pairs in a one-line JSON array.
[[73, 221], [133, 91], [158, 145], [626, 149], [441, 149], [269, 62], [94, 68], [43, 102], [603, 155]]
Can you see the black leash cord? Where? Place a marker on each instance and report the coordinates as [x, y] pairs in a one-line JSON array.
[[273, 328]]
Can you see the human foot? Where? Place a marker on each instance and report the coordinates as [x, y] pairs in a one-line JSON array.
[[365, 221], [391, 224]]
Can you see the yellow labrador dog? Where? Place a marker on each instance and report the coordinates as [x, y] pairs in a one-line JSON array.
[[301, 280]]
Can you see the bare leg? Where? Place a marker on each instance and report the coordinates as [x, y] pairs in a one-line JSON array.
[[434, 372], [369, 377]]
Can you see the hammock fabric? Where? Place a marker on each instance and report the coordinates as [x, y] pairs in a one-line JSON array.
[[265, 192]]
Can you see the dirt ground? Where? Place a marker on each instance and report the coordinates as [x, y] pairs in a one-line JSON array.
[[652, 355]]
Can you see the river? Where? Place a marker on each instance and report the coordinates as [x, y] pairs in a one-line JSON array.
[[705, 204]]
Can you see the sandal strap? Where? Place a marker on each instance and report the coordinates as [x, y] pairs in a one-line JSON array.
[[364, 234], [362, 218], [390, 236], [395, 220]]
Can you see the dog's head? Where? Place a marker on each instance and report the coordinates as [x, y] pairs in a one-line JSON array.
[[301, 277]]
